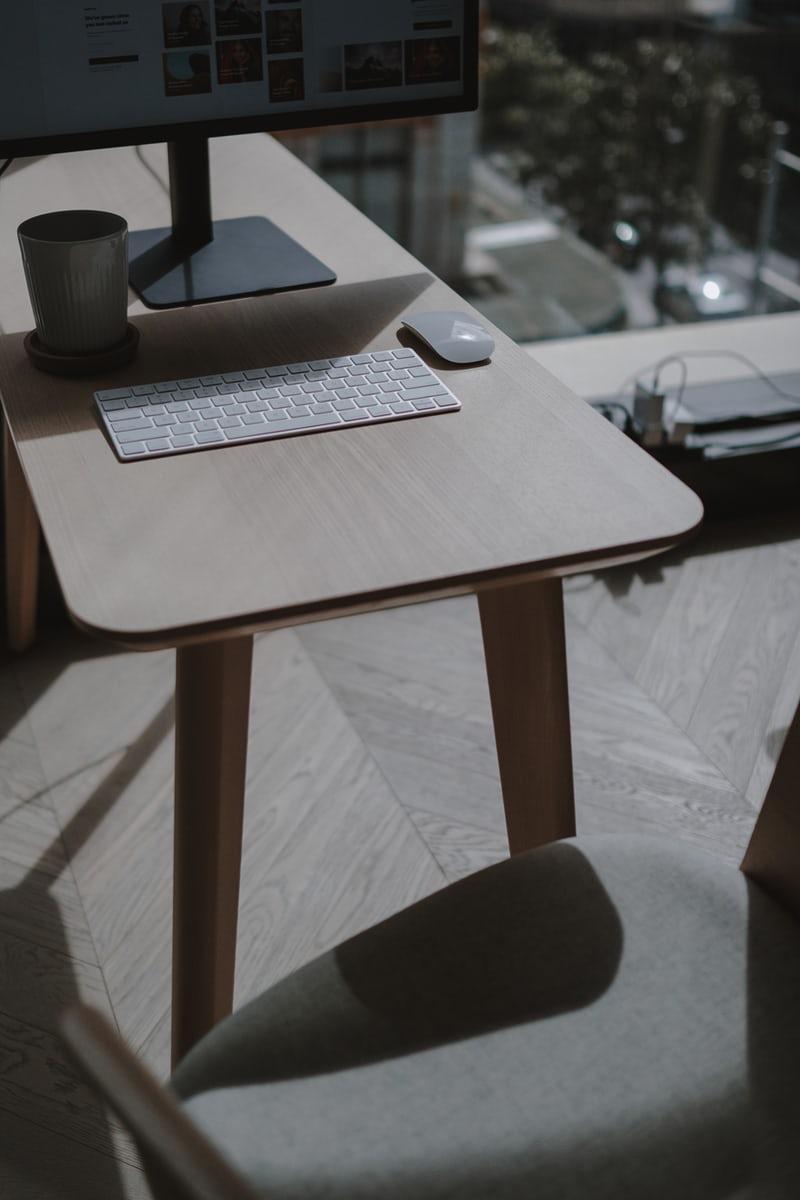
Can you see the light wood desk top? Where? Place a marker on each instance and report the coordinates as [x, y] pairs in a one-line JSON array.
[[525, 482]]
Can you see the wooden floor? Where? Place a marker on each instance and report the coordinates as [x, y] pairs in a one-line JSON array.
[[372, 781]]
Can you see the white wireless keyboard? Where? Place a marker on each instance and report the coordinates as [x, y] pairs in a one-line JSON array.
[[152, 419]]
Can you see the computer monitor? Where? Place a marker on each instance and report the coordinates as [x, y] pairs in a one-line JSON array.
[[76, 76]]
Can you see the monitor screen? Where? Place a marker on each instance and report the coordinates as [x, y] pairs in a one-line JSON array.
[[75, 75]]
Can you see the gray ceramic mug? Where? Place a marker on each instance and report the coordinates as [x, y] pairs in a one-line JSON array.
[[76, 267]]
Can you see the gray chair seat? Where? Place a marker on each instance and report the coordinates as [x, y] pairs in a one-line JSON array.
[[611, 1017]]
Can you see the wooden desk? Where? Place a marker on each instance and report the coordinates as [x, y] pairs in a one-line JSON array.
[[199, 551]]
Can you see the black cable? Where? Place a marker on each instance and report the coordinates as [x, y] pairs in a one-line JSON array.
[[138, 152], [6, 165]]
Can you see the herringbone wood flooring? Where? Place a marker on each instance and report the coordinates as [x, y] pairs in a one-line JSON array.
[[372, 781]]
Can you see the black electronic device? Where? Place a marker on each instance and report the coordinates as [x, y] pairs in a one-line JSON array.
[[75, 76]]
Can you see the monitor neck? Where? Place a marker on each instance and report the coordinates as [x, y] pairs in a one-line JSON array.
[[190, 191]]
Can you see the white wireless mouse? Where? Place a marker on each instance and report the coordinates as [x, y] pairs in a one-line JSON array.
[[455, 336]]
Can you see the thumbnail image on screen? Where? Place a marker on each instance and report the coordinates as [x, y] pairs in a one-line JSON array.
[[187, 73], [186, 25], [237, 17], [239, 61], [285, 31], [373, 65]]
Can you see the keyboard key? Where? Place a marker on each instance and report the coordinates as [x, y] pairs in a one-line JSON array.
[[338, 372], [291, 389], [321, 408], [359, 369], [233, 376], [133, 448], [228, 422], [206, 439], [233, 410], [365, 401], [210, 380], [280, 402], [361, 358], [309, 422], [418, 393], [391, 385], [205, 426], [346, 393], [112, 405], [130, 436], [320, 364], [187, 417], [181, 440], [421, 372], [256, 373], [244, 431], [144, 389], [177, 406], [185, 394], [166, 419], [446, 402], [301, 410], [189, 384], [206, 391], [382, 356], [273, 371], [166, 387], [114, 394], [343, 405], [369, 389], [296, 368], [276, 415], [312, 387], [267, 393], [133, 423], [377, 377], [257, 406], [404, 353], [356, 415], [254, 418], [422, 405], [402, 406], [398, 374], [159, 444]]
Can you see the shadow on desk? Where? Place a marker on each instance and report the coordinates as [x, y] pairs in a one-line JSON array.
[[213, 338]]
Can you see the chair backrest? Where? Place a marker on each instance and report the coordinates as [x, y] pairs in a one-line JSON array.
[[773, 857]]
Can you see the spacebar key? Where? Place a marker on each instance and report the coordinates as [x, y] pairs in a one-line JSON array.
[[297, 423]]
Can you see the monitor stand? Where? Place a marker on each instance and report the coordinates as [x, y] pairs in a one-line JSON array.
[[199, 260]]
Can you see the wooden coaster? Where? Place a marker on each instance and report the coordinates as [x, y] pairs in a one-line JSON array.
[[81, 364]]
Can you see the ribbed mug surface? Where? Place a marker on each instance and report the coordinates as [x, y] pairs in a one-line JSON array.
[[76, 267]]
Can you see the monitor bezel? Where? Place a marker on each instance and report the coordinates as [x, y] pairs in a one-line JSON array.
[[283, 122]]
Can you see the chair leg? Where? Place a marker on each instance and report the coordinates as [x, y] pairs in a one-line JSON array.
[[22, 552], [212, 701], [526, 664]]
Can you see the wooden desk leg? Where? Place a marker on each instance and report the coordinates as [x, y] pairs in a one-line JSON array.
[[212, 706], [526, 662], [22, 551]]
